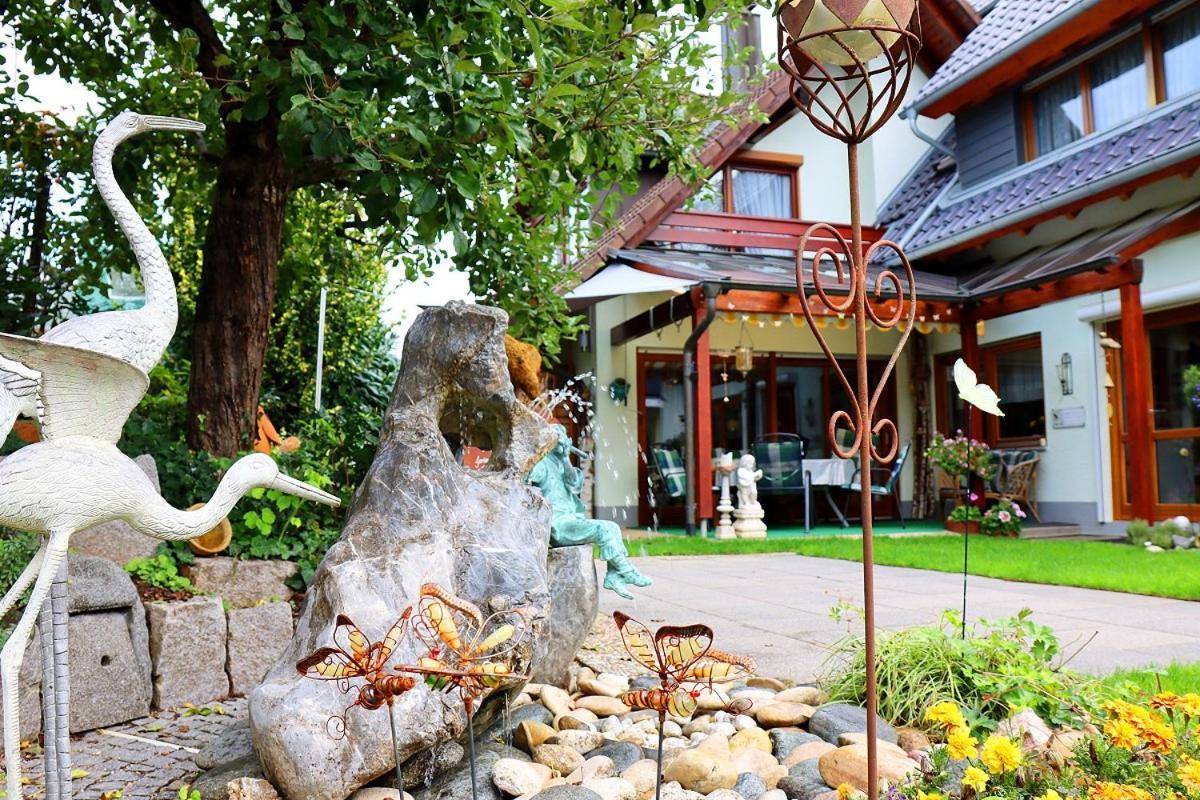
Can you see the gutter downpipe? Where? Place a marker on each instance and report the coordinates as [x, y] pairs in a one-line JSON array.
[[689, 402], [912, 116], [1050, 204]]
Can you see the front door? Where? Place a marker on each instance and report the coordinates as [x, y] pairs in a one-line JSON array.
[[1174, 343]]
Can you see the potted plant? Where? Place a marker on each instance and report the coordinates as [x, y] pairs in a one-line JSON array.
[[964, 519], [1003, 519]]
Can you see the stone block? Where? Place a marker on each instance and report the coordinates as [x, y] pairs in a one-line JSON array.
[[243, 583], [574, 601], [110, 675], [257, 638], [116, 541], [187, 648]]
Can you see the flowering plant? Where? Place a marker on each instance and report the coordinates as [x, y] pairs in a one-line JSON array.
[[1191, 384], [1140, 752], [966, 514], [1003, 519], [960, 455]]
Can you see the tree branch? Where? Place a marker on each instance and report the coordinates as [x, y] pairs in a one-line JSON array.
[[191, 15]]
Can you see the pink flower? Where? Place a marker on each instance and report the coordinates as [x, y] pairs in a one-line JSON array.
[[1020, 513], [974, 497], [1005, 516]]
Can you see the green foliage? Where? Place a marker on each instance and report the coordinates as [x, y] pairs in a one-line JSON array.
[[1178, 677], [1005, 518], [160, 571], [966, 513], [1001, 667], [17, 549], [489, 133], [186, 792], [1191, 385], [1139, 532]]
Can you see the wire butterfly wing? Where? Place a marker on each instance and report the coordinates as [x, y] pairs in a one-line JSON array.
[[639, 642], [391, 641], [329, 664], [681, 647]]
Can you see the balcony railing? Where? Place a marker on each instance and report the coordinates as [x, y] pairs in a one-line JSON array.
[[738, 232]]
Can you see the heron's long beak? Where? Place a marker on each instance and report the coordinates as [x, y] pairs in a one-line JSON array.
[[302, 490], [171, 123]]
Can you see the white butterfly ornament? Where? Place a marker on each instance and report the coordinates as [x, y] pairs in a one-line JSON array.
[[977, 394]]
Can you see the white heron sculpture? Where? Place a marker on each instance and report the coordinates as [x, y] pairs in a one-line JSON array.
[[139, 336], [77, 478]]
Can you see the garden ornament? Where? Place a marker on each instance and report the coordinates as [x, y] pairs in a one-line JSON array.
[[686, 664], [138, 337], [850, 64], [74, 479], [749, 512], [983, 397], [725, 469], [560, 482]]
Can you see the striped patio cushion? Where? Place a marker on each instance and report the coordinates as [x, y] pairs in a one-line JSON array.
[[673, 472]]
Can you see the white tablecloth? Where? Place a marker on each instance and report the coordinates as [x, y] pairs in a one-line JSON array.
[[828, 471]]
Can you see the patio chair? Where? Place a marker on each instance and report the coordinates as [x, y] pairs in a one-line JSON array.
[[780, 456], [1018, 482], [669, 476], [888, 485]]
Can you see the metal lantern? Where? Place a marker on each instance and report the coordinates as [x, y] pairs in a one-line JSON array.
[[743, 358], [846, 32]]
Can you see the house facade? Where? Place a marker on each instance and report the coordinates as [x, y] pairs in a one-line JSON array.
[[1042, 181]]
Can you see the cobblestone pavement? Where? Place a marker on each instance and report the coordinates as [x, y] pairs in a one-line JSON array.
[[146, 759]]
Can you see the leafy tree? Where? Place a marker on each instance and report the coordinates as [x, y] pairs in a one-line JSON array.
[[489, 125]]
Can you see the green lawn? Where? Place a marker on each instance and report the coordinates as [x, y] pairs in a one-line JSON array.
[[1179, 678], [1093, 565]]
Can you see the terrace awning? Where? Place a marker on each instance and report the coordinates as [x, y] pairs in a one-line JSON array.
[[620, 279]]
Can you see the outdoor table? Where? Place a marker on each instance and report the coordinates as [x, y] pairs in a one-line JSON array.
[[826, 473]]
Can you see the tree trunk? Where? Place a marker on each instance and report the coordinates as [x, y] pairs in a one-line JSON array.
[[925, 492], [237, 289]]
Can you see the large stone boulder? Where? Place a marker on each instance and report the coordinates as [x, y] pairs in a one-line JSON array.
[[418, 517], [574, 601]]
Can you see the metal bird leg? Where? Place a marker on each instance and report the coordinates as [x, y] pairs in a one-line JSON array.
[[13, 653], [59, 602], [49, 717]]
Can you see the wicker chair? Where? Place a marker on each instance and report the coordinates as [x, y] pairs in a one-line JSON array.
[[950, 490], [1018, 483]]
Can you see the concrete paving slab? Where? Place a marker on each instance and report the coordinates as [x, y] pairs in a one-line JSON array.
[[775, 607]]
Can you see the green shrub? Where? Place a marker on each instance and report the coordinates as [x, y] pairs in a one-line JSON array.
[[160, 571], [1001, 666], [1138, 532]]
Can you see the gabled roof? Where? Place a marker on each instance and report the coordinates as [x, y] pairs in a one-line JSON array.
[[1013, 40], [944, 24], [936, 220]]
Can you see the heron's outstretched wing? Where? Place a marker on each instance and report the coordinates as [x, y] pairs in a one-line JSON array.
[[80, 392]]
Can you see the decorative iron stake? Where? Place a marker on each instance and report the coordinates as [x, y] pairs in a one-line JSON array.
[[845, 97]]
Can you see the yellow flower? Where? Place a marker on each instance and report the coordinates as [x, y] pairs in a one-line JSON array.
[[845, 791], [960, 745], [946, 714], [929, 796], [1189, 704], [1189, 774], [975, 778], [1122, 734], [1117, 791], [1050, 794], [1164, 700], [1000, 754], [1158, 735]]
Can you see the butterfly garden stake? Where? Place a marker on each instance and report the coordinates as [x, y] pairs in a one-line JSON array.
[[850, 63], [467, 652], [983, 397], [360, 659], [685, 662]]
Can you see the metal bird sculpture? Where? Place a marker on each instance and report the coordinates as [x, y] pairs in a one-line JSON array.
[[77, 478], [138, 336]]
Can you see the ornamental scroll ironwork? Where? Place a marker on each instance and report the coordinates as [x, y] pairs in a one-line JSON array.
[[904, 312]]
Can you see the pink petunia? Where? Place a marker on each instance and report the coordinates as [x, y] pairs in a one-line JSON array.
[[1005, 516]]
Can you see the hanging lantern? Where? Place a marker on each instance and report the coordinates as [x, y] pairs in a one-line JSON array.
[[743, 358], [845, 32]]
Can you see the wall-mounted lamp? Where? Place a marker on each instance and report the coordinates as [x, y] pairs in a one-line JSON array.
[[618, 390], [1066, 375]]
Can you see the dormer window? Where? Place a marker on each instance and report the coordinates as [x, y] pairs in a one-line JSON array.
[[753, 184], [1155, 62]]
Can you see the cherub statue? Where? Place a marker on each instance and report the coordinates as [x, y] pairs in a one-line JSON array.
[[747, 481], [561, 482]]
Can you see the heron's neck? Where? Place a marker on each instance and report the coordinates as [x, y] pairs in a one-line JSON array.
[[156, 275], [175, 525]]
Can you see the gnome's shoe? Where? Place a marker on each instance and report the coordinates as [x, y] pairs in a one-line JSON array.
[[613, 581], [622, 574]]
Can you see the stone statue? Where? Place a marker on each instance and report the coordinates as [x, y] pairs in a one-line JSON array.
[[749, 512], [560, 483]]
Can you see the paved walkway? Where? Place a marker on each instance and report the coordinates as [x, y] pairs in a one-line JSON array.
[[777, 609]]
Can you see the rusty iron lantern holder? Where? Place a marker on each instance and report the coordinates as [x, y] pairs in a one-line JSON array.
[[851, 103]]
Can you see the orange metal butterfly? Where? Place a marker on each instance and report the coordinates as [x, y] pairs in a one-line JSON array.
[[359, 658], [466, 650], [685, 662]]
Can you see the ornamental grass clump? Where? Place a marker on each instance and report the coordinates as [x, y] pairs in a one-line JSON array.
[[1001, 667], [1140, 752]]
